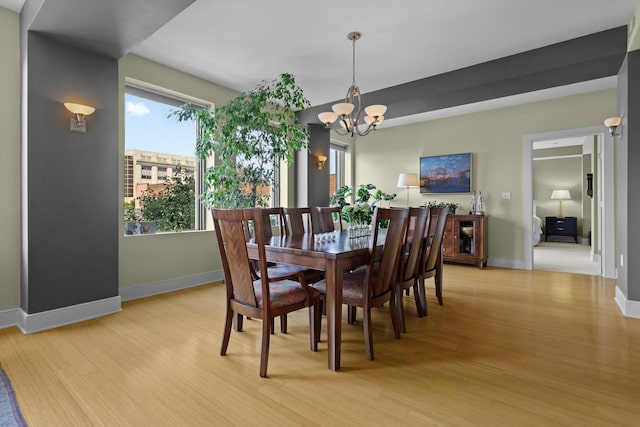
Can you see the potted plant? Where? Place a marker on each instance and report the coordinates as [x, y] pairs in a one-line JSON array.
[[365, 199], [451, 205], [249, 135]]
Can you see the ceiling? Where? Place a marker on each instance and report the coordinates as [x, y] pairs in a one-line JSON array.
[[239, 43]]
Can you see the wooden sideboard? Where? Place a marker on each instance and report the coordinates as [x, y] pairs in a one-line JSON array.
[[465, 240]]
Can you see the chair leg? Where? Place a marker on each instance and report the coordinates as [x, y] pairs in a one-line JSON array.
[[421, 297], [351, 314], [283, 323], [314, 323], [397, 314], [237, 322], [368, 332], [319, 310], [227, 331], [438, 281], [416, 298], [398, 305], [264, 353], [272, 325]]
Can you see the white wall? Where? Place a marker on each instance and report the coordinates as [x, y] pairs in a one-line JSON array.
[[10, 159], [495, 139]]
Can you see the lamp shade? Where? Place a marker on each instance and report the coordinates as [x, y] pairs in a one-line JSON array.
[[84, 110], [560, 195], [407, 180], [376, 110], [328, 117], [612, 121]]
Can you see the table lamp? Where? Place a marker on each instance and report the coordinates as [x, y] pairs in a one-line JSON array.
[[408, 180], [560, 195]]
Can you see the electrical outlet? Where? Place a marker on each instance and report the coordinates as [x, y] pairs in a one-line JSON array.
[[621, 260], [506, 195]]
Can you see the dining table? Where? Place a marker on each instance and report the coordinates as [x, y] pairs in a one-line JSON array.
[[332, 253]]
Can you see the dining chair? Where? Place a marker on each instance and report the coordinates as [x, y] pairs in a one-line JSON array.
[[261, 298], [409, 270], [297, 221], [323, 219], [275, 217], [431, 262], [372, 286]]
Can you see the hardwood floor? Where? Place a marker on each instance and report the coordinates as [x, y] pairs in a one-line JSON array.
[[509, 347]]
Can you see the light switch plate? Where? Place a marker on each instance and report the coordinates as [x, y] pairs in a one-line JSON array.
[[506, 195]]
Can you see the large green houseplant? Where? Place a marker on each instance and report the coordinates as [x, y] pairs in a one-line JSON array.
[[250, 136]]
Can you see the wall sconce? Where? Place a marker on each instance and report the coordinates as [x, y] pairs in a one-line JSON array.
[[78, 124], [613, 123], [321, 161]]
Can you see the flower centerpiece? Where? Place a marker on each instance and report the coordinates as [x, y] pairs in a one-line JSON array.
[[359, 214]]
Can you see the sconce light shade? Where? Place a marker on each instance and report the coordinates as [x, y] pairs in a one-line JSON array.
[[78, 123], [321, 161], [612, 123]]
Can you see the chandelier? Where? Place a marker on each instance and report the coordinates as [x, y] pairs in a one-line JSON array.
[[350, 111]]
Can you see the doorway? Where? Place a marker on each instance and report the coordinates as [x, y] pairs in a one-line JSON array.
[[564, 208], [602, 247]]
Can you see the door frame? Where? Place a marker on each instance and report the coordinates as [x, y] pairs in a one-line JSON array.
[[605, 198]]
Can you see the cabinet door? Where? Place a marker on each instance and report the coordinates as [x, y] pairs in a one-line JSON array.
[[448, 249], [466, 237]]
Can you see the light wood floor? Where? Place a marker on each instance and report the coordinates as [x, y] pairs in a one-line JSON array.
[[508, 348]]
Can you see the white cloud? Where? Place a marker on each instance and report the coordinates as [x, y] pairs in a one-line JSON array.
[[137, 109]]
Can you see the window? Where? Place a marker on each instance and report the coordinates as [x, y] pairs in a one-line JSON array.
[[145, 172], [162, 174], [158, 149]]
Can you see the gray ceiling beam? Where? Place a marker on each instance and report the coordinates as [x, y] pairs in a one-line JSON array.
[[578, 60]]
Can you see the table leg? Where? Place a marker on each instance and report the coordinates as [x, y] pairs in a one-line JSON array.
[[333, 275]]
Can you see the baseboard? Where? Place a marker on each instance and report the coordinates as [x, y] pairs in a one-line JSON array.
[[9, 318], [36, 322], [507, 263], [628, 308], [164, 286]]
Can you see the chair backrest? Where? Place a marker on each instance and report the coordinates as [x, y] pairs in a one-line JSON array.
[[297, 221], [272, 217], [388, 261], [230, 234], [324, 219], [433, 238], [413, 243]]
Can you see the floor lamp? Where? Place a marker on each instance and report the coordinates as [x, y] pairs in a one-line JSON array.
[[408, 180]]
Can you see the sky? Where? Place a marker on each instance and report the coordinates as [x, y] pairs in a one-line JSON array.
[[148, 128]]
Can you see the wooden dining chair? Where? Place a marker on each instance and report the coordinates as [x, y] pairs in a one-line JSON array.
[[297, 221], [431, 262], [372, 286], [323, 219], [274, 217], [259, 299], [409, 271]]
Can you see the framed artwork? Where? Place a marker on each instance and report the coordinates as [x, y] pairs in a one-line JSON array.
[[450, 173], [139, 227]]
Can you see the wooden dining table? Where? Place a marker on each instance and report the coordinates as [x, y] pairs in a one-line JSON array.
[[332, 256]]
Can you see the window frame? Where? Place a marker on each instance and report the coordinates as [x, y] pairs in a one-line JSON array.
[[176, 100]]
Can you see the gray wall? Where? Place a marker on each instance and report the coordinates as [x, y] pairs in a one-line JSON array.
[[70, 198], [628, 175], [317, 181]]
